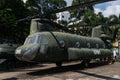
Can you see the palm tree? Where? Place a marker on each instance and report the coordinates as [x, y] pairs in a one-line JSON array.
[[112, 27], [113, 20], [116, 27]]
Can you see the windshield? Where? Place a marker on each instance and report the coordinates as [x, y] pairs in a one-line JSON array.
[[42, 39], [38, 39], [31, 40]]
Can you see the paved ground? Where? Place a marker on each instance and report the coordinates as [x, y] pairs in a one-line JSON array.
[[71, 71]]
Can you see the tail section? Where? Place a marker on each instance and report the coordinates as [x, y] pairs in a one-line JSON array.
[[96, 31]]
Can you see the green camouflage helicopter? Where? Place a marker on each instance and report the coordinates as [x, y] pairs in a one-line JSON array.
[[46, 44]]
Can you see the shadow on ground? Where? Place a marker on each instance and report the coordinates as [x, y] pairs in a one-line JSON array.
[[62, 69], [13, 78], [75, 68], [97, 75]]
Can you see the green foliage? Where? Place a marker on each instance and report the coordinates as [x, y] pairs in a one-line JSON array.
[[114, 26], [60, 3], [2, 3], [13, 10], [7, 18], [113, 19], [90, 17], [47, 6], [10, 12], [81, 11], [7, 22]]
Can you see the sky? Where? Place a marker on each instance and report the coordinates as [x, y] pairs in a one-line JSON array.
[[107, 8]]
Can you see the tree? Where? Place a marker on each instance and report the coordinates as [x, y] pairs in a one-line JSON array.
[[114, 26], [81, 11], [2, 4], [7, 22], [46, 5], [87, 17], [10, 12]]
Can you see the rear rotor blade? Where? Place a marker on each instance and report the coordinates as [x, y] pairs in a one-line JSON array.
[[92, 2]]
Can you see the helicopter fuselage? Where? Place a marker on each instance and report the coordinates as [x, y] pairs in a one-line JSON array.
[[61, 47]]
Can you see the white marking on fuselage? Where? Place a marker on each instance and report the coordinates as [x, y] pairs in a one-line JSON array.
[[97, 52]]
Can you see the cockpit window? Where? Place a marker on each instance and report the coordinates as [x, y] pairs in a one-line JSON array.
[[37, 40], [42, 40], [31, 40]]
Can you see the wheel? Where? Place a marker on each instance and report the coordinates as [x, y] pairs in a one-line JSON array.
[[105, 59], [58, 64], [110, 61], [85, 63], [101, 59]]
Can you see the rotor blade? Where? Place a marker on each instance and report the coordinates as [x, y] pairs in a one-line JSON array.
[[29, 18], [92, 2]]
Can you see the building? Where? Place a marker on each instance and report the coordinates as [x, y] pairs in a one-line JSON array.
[[63, 16]]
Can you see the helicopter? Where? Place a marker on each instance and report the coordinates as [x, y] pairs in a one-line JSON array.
[[46, 44]]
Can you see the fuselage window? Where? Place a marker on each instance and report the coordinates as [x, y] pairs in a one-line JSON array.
[[88, 44], [62, 43], [30, 40], [77, 44], [43, 44], [38, 39], [42, 39], [97, 45]]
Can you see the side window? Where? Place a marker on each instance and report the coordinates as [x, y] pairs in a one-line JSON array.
[[62, 43], [43, 44], [77, 44], [88, 44], [39, 39], [97, 45], [44, 40]]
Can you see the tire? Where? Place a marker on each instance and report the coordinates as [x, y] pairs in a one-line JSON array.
[[110, 60], [58, 64], [85, 63]]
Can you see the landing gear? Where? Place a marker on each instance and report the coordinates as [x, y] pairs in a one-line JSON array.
[[102, 60], [85, 63], [110, 60], [58, 64]]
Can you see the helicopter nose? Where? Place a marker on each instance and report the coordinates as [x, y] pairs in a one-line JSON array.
[[29, 55], [26, 55], [18, 54]]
